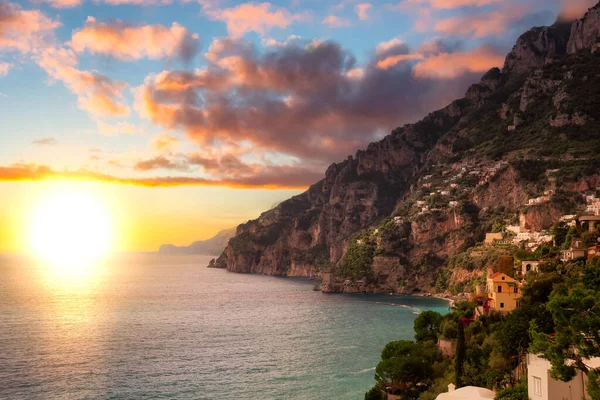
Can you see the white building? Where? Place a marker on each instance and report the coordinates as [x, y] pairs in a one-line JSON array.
[[541, 386], [466, 393]]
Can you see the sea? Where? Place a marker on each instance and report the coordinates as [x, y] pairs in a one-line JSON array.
[[149, 326]]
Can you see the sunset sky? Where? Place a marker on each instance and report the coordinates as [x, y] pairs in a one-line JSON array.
[[190, 116]]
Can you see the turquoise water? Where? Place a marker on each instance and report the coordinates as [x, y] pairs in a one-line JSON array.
[[158, 327]]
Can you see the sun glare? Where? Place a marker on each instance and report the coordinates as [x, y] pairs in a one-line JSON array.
[[70, 229]]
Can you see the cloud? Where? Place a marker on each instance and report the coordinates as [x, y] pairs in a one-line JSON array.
[[452, 65], [62, 3], [136, 2], [257, 17], [23, 30], [392, 61], [277, 177], [45, 141], [305, 101], [163, 143], [362, 10], [97, 94], [482, 24], [127, 42], [4, 68], [336, 22], [384, 47], [571, 10], [32, 33], [160, 162], [451, 4]]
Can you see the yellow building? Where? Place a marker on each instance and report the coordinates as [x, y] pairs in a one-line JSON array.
[[503, 291]]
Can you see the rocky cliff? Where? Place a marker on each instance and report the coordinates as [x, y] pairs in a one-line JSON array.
[[389, 217]]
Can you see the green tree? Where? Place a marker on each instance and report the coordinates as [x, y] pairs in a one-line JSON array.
[[427, 325], [409, 365], [593, 385], [514, 332], [576, 316], [559, 231], [374, 394], [518, 392], [461, 353]]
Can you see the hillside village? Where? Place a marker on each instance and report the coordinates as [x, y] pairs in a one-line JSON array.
[[515, 335]]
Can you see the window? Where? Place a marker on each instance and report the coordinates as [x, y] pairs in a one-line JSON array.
[[502, 278], [499, 289], [516, 289], [537, 386], [501, 305]]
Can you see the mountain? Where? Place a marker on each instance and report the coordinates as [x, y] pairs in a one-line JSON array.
[[396, 216], [211, 247]]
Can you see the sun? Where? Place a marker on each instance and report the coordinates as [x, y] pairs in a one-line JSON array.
[[70, 229]]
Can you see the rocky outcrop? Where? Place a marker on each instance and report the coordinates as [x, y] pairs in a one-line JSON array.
[[537, 47], [539, 217], [432, 189], [585, 32]]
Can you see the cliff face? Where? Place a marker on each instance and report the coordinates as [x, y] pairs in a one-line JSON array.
[[585, 32], [389, 217]]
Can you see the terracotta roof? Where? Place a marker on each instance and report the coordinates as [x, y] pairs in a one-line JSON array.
[[495, 275]]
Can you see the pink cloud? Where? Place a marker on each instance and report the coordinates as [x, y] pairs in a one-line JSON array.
[[4, 68], [392, 61], [23, 30], [127, 42], [451, 65], [447, 4], [96, 93], [257, 17], [336, 22], [62, 3], [479, 25], [571, 10], [362, 10]]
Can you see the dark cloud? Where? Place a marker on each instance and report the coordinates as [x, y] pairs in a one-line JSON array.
[[303, 99], [160, 162]]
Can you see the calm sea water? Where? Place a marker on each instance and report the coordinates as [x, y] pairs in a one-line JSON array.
[[156, 327]]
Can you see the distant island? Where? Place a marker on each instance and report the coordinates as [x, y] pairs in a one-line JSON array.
[[210, 247]]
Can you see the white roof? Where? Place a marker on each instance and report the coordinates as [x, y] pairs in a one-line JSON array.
[[468, 393]]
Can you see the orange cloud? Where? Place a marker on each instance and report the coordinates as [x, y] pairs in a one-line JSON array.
[[571, 10], [336, 22], [257, 17], [477, 25], [127, 42], [451, 65], [392, 61], [164, 143], [362, 10], [277, 177]]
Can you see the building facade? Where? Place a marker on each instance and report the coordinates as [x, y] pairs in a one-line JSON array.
[[504, 292]]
